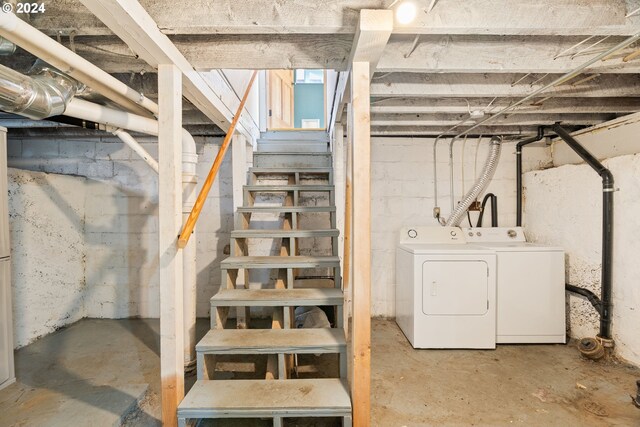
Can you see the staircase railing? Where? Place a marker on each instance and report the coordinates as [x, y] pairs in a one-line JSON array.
[[190, 224]]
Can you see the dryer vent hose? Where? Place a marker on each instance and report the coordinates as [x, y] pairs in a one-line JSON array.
[[481, 184]]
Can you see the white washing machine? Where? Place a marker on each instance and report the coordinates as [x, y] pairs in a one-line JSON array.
[[445, 289], [531, 294]]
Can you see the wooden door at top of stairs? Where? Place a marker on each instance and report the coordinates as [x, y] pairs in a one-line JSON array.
[[280, 99]]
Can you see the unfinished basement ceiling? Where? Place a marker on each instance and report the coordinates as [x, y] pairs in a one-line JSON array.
[[461, 57]]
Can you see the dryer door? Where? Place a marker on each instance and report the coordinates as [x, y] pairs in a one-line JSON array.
[[455, 288]]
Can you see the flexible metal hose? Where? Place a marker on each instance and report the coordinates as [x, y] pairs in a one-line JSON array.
[[481, 184]]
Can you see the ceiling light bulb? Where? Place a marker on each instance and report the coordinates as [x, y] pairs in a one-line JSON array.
[[406, 12]]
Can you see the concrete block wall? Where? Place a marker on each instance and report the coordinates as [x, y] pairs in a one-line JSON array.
[[119, 220], [563, 206], [403, 195], [47, 214]]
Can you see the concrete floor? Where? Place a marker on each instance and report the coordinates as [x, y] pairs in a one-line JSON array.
[[105, 373]]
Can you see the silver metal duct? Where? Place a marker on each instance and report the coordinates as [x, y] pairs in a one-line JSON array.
[[6, 47], [481, 184], [45, 92]]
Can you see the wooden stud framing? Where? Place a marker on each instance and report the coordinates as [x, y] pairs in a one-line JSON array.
[[361, 340], [170, 222]]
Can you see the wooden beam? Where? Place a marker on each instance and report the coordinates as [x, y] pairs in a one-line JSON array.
[[435, 53], [372, 33], [437, 130], [496, 54], [415, 85], [505, 120], [499, 17], [170, 222], [460, 106], [359, 122], [130, 21]]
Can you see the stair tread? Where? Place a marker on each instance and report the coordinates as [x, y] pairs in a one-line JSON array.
[[309, 170], [290, 187], [269, 209], [277, 297], [270, 341], [331, 232], [292, 153], [258, 398], [280, 262]]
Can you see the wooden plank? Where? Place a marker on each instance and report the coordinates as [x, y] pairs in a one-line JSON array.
[[170, 222], [279, 188], [255, 262], [498, 17], [281, 209], [459, 85], [361, 384], [276, 297], [495, 54], [271, 341], [279, 234], [318, 397], [460, 106]]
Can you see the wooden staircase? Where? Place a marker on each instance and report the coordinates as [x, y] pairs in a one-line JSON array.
[[298, 280]]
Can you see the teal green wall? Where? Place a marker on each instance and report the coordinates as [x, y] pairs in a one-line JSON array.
[[308, 103]]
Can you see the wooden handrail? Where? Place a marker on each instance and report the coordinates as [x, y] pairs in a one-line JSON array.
[[188, 227]]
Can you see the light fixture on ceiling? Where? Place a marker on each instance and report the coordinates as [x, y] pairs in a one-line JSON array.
[[406, 12]]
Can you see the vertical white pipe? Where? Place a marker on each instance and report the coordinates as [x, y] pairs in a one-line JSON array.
[[189, 273]]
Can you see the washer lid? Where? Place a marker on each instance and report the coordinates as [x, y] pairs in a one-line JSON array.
[[444, 249]]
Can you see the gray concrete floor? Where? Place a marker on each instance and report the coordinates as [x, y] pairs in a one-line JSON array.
[[106, 373]]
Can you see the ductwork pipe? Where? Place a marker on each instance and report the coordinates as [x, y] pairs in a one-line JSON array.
[[68, 62], [481, 184], [13, 84], [43, 93], [6, 47]]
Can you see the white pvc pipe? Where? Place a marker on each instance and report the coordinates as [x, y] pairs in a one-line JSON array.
[[44, 47], [86, 110], [137, 148], [189, 272]]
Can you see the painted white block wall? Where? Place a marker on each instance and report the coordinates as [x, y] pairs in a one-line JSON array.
[[119, 224], [403, 194], [47, 215], [563, 206]]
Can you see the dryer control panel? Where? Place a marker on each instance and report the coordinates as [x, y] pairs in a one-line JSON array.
[[494, 234], [446, 235]]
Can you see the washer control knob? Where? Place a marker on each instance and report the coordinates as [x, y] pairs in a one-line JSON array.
[[512, 233], [453, 233], [478, 234], [471, 234], [412, 233]]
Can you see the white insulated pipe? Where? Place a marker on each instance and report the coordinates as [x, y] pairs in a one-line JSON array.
[[189, 269], [137, 148], [44, 47]]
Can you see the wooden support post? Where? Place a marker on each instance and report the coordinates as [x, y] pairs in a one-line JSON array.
[[239, 178], [360, 125], [170, 223]]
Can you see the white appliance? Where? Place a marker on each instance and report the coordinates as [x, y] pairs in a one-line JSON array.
[[531, 295], [445, 289], [7, 374]]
